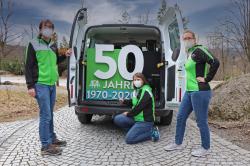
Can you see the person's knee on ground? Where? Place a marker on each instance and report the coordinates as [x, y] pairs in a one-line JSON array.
[[130, 139], [140, 132]]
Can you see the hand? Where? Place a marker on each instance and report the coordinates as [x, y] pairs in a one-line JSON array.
[[201, 79], [68, 52], [125, 113], [32, 92]]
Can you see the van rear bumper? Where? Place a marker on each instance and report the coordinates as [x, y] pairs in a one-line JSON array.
[[86, 109]]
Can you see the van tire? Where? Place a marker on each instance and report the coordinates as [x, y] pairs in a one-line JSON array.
[[85, 118], [166, 120]]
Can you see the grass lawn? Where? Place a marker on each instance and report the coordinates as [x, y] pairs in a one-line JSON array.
[[18, 105]]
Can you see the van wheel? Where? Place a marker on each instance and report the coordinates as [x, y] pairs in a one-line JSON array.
[[166, 120], [85, 118]]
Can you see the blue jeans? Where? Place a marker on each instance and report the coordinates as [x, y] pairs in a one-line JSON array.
[[45, 96], [199, 102], [137, 131]]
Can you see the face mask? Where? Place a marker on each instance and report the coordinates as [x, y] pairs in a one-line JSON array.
[[137, 84], [188, 44], [47, 32]]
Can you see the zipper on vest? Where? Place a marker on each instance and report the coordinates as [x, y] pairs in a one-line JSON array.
[[50, 64]]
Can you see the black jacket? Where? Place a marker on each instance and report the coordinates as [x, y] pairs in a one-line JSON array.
[[31, 64], [145, 105]]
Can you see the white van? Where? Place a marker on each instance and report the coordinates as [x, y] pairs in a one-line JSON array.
[[105, 57]]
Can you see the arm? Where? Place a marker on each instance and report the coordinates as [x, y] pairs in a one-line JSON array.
[[204, 56], [60, 59], [214, 65], [59, 55], [137, 109], [128, 102], [29, 64]]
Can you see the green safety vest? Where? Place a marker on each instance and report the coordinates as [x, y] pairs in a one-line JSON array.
[[190, 67], [136, 101], [46, 61]]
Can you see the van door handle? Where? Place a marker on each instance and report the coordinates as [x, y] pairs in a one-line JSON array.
[[164, 63]]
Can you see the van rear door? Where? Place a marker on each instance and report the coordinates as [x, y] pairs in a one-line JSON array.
[[77, 34], [171, 25]]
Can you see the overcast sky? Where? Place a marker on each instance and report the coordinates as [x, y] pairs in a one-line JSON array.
[[203, 15]]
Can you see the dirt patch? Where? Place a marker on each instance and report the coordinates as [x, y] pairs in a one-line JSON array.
[[231, 100], [18, 105], [229, 114], [3, 72], [235, 132]]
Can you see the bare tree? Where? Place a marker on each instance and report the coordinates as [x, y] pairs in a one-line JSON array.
[[82, 3], [144, 18], [162, 10], [31, 31], [6, 33], [64, 43], [63, 46], [125, 18], [216, 44], [237, 27]]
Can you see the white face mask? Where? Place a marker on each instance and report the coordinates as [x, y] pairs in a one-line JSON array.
[[137, 83], [188, 44], [47, 32]]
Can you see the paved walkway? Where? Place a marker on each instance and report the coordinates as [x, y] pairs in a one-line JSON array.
[[101, 143]]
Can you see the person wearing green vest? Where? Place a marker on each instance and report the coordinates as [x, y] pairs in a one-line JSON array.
[[139, 121], [197, 95], [41, 74]]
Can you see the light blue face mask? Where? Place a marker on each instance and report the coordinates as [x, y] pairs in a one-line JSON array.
[[137, 83], [47, 32], [188, 44]]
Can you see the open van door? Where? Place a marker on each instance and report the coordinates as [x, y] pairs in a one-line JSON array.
[[171, 25], [76, 41]]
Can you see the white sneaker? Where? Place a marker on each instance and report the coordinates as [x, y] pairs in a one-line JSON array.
[[200, 152], [172, 147]]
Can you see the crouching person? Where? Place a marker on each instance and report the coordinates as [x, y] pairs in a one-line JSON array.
[[139, 121]]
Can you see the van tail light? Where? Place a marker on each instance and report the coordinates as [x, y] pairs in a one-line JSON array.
[[84, 109], [176, 93], [180, 95]]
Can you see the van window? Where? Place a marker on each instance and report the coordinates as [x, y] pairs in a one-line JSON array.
[[174, 35]]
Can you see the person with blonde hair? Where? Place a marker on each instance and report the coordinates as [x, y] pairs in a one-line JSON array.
[[197, 95]]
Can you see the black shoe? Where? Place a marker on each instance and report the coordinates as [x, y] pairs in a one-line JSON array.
[[60, 143], [51, 150]]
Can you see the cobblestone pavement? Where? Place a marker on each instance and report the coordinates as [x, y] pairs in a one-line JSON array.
[[101, 143]]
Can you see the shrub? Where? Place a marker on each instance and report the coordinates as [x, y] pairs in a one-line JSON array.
[[14, 66]]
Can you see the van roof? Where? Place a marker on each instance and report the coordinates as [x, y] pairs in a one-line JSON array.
[[124, 32], [124, 25]]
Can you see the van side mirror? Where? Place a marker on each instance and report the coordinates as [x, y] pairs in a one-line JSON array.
[[175, 54]]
